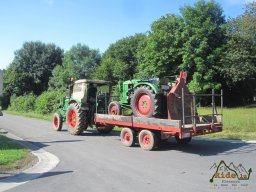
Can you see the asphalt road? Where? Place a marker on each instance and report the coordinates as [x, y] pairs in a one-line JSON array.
[[94, 162]]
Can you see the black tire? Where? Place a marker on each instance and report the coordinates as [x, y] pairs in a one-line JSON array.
[[104, 129], [145, 103], [76, 119], [114, 108], [128, 137], [184, 141], [57, 121], [148, 140]]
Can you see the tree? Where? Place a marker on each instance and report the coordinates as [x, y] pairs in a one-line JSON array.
[[79, 62], [31, 68], [161, 53], [238, 63], [119, 62], [205, 36]]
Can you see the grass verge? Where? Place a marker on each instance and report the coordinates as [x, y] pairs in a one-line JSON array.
[[12, 155], [31, 114]]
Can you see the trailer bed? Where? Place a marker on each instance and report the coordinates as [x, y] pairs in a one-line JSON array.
[[166, 126]]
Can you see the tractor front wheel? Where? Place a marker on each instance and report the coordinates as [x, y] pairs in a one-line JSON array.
[[114, 108], [76, 119], [57, 121]]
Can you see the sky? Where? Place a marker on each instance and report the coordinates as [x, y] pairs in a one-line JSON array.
[[96, 23]]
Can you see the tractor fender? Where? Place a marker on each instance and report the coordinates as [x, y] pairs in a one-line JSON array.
[[153, 87], [74, 101]]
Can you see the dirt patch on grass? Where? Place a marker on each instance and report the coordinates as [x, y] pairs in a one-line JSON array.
[[18, 166]]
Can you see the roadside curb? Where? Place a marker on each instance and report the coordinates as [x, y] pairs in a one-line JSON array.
[[46, 162]]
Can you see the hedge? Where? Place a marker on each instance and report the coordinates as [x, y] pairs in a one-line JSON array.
[[46, 103]]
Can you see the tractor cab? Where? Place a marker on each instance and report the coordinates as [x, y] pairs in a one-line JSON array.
[[86, 91]]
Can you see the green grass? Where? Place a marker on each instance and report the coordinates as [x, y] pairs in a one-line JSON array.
[[10, 153], [31, 114], [238, 123]]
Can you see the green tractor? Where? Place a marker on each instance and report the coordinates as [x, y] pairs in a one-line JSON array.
[[86, 97], [144, 97]]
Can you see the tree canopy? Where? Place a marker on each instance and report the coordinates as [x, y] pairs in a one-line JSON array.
[[119, 62], [238, 61], [161, 52], [31, 68], [79, 62]]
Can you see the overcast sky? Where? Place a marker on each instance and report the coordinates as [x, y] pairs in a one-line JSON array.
[[96, 23]]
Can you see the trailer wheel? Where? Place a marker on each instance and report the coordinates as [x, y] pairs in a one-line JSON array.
[[145, 102], [148, 140], [127, 136], [57, 121], [76, 119], [114, 108], [184, 141], [104, 129]]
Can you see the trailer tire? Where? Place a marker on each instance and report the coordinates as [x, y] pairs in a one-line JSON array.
[[145, 103], [148, 140], [128, 137], [184, 141], [57, 121], [104, 129], [76, 119], [114, 108]]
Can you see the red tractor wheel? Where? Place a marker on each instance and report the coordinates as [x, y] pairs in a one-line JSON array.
[[148, 140], [127, 136], [76, 119], [57, 121], [145, 102], [114, 108]]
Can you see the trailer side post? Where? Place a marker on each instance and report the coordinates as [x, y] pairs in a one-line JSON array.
[[194, 109], [213, 104], [221, 107], [183, 108]]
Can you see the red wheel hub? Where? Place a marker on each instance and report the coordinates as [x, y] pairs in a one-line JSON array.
[[146, 139], [56, 121], [126, 137], [143, 104], [72, 118], [113, 110]]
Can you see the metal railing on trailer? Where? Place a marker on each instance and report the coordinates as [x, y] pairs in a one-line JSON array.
[[194, 115]]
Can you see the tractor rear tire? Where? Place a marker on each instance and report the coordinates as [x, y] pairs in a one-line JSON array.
[[145, 103], [57, 121], [76, 119], [114, 108], [148, 140], [128, 137], [104, 129]]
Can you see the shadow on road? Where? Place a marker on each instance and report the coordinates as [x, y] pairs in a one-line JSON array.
[[209, 147], [24, 177]]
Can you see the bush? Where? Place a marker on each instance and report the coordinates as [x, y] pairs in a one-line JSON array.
[[48, 102], [23, 103]]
